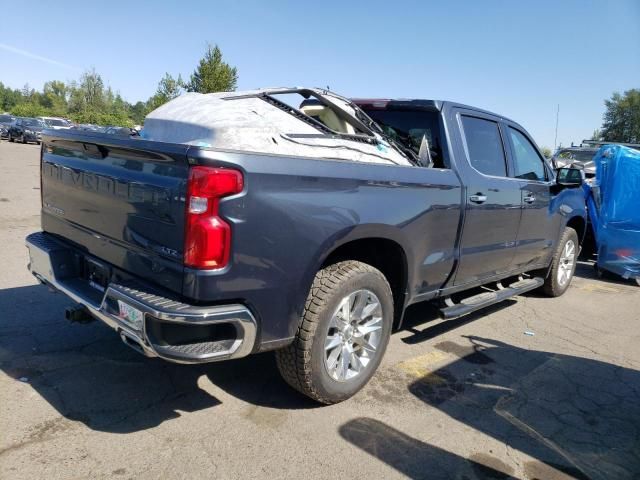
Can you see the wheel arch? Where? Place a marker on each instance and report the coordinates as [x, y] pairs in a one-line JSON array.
[[579, 224], [384, 252]]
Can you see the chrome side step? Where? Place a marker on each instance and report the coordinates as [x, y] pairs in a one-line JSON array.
[[484, 299]]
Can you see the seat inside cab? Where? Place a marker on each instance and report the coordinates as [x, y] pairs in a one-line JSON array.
[[327, 117]]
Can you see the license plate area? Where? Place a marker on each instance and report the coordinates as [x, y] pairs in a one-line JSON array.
[[130, 315], [96, 274]]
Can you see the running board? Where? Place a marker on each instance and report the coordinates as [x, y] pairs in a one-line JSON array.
[[476, 302]]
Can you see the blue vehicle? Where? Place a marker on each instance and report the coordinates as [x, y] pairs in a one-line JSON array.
[[612, 201], [195, 253]]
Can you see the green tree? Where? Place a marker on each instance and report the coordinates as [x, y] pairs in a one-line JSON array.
[[212, 74], [54, 98], [137, 112], [27, 91], [9, 98], [88, 98], [621, 120], [546, 151], [29, 109], [168, 89]]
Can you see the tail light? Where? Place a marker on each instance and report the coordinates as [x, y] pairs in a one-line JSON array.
[[207, 236]]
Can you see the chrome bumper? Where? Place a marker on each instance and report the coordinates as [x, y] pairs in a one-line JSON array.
[[52, 262]]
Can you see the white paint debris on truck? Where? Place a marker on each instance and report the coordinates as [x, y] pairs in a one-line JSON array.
[[321, 125]]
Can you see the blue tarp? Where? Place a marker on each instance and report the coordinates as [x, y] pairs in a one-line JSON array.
[[613, 201]]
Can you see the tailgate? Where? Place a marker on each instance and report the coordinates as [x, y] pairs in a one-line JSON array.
[[119, 199]]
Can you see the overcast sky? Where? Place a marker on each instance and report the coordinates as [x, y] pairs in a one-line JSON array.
[[515, 58]]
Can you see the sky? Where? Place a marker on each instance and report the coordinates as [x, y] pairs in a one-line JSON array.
[[519, 59]]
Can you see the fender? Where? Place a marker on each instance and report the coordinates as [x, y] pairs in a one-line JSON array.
[[359, 232]]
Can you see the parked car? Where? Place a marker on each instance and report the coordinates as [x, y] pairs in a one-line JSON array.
[[195, 253], [5, 121], [581, 157], [26, 130], [612, 202], [57, 123]]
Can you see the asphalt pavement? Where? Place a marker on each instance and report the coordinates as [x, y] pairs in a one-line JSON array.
[[531, 388]]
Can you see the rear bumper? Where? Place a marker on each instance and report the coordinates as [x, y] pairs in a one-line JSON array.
[[32, 137], [169, 329]]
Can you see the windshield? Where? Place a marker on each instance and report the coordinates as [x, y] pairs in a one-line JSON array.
[[32, 122], [54, 122], [577, 155]]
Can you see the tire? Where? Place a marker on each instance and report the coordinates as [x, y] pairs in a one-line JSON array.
[[10, 138], [563, 265], [305, 364]]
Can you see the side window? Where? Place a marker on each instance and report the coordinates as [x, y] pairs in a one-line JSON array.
[[528, 164], [484, 144]]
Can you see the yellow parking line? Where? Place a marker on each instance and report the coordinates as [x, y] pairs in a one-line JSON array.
[[590, 287], [421, 366]]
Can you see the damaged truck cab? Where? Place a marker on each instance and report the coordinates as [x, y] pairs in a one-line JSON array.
[[306, 228]]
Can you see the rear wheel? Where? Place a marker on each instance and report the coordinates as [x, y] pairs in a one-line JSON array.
[[563, 265], [24, 140], [343, 334], [10, 138]]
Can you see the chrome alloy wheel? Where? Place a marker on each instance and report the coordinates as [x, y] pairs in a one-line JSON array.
[[353, 336], [566, 262]]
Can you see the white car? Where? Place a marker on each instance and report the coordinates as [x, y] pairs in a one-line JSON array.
[[56, 123]]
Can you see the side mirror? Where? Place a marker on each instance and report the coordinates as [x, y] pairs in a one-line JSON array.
[[569, 177], [424, 154]]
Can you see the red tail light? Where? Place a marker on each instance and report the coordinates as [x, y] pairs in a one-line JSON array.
[[208, 237]]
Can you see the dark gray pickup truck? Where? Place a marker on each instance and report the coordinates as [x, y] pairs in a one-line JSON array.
[[197, 254]]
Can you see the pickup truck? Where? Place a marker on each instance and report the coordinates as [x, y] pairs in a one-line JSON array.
[[197, 254]]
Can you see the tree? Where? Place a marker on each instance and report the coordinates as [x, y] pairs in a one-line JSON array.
[[621, 120], [168, 89], [212, 74], [54, 98], [138, 112], [546, 151], [92, 89], [27, 91], [29, 109], [90, 100], [9, 98]]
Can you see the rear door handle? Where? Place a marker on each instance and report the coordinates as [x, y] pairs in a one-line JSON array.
[[478, 198], [529, 199]]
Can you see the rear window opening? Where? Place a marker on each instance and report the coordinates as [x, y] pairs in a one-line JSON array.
[[318, 110], [407, 127]]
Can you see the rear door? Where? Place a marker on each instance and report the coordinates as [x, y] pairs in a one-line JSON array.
[[493, 199], [538, 228]]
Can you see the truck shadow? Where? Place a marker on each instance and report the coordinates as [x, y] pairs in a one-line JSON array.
[[576, 416], [88, 375], [425, 313]]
